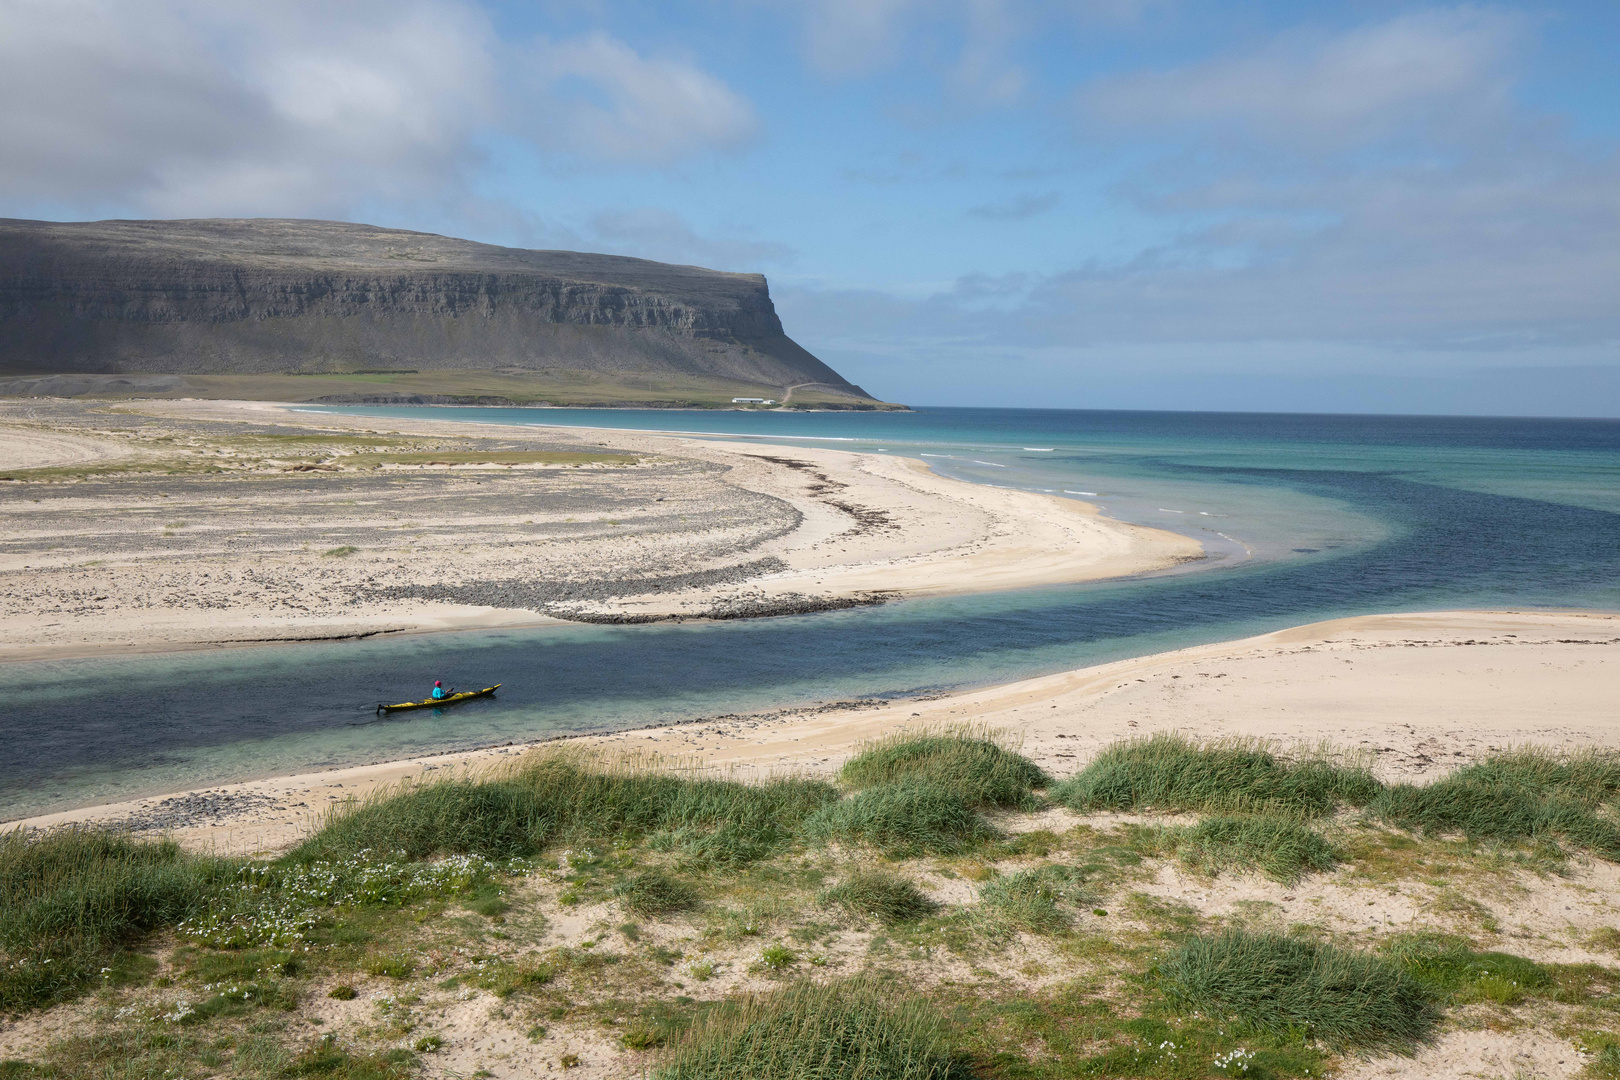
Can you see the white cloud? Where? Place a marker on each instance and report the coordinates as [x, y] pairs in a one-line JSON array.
[[200, 108], [607, 102], [972, 43], [1380, 185], [208, 107], [1373, 201], [986, 72], [854, 37], [1316, 88], [652, 233]]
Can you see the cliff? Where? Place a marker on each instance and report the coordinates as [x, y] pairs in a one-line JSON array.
[[265, 296]]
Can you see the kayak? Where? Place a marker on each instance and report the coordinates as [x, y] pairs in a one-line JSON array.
[[448, 699]]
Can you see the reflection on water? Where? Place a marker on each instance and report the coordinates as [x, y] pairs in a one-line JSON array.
[[1384, 524]]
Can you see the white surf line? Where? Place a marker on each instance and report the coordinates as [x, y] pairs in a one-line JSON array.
[[1093, 494], [1040, 449], [992, 464]]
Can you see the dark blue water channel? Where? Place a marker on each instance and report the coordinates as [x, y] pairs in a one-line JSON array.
[[1457, 525]]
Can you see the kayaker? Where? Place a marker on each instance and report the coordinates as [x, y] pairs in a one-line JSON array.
[[438, 689]]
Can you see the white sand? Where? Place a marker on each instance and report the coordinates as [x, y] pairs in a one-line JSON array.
[[1420, 692], [176, 572], [1423, 692]]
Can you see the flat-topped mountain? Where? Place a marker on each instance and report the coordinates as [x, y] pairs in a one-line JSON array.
[[270, 296]]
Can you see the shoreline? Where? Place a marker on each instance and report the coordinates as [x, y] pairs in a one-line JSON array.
[[1362, 682], [815, 529]]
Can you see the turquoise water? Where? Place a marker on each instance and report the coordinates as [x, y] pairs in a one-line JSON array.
[[1306, 518]]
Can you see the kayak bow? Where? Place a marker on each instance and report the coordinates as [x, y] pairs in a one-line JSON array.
[[448, 699]]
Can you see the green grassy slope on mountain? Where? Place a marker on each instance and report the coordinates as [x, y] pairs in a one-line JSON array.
[[578, 389]]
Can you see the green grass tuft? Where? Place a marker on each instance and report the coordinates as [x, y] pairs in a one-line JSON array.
[[904, 819], [880, 894], [489, 900], [72, 900], [1283, 986], [979, 769], [1521, 796], [1454, 972], [1280, 848], [554, 797], [1172, 774], [496, 819], [841, 1031], [1029, 899], [778, 957], [653, 893]]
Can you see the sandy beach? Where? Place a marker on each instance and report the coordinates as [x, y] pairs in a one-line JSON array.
[[1416, 694], [161, 525], [197, 525], [1421, 692]]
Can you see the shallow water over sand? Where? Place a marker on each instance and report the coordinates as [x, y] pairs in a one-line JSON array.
[[1317, 517]]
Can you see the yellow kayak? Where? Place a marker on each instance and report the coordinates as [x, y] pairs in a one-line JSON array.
[[448, 699]]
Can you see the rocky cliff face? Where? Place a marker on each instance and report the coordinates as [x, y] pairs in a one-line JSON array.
[[263, 296]]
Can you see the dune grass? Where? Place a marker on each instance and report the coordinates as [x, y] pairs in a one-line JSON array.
[[130, 1053], [72, 900], [1173, 774], [1282, 849], [969, 762], [554, 796], [1454, 972], [496, 819], [1284, 986], [653, 893], [841, 1031], [910, 818], [880, 894], [1029, 900], [1524, 795]]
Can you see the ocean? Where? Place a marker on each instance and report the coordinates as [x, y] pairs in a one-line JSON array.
[[1304, 517]]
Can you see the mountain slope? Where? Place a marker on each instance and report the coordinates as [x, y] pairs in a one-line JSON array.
[[268, 296]]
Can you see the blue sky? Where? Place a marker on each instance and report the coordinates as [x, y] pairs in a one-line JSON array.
[[1355, 206]]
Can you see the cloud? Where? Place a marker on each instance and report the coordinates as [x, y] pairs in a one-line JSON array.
[[854, 37], [652, 233], [206, 107], [1371, 202], [185, 107], [1379, 185], [609, 103], [1502, 257], [1313, 88], [986, 72], [973, 44], [1024, 206]]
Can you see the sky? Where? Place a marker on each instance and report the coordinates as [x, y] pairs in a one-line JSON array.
[[1335, 206]]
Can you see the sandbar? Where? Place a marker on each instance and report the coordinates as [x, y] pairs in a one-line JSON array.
[[167, 525]]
